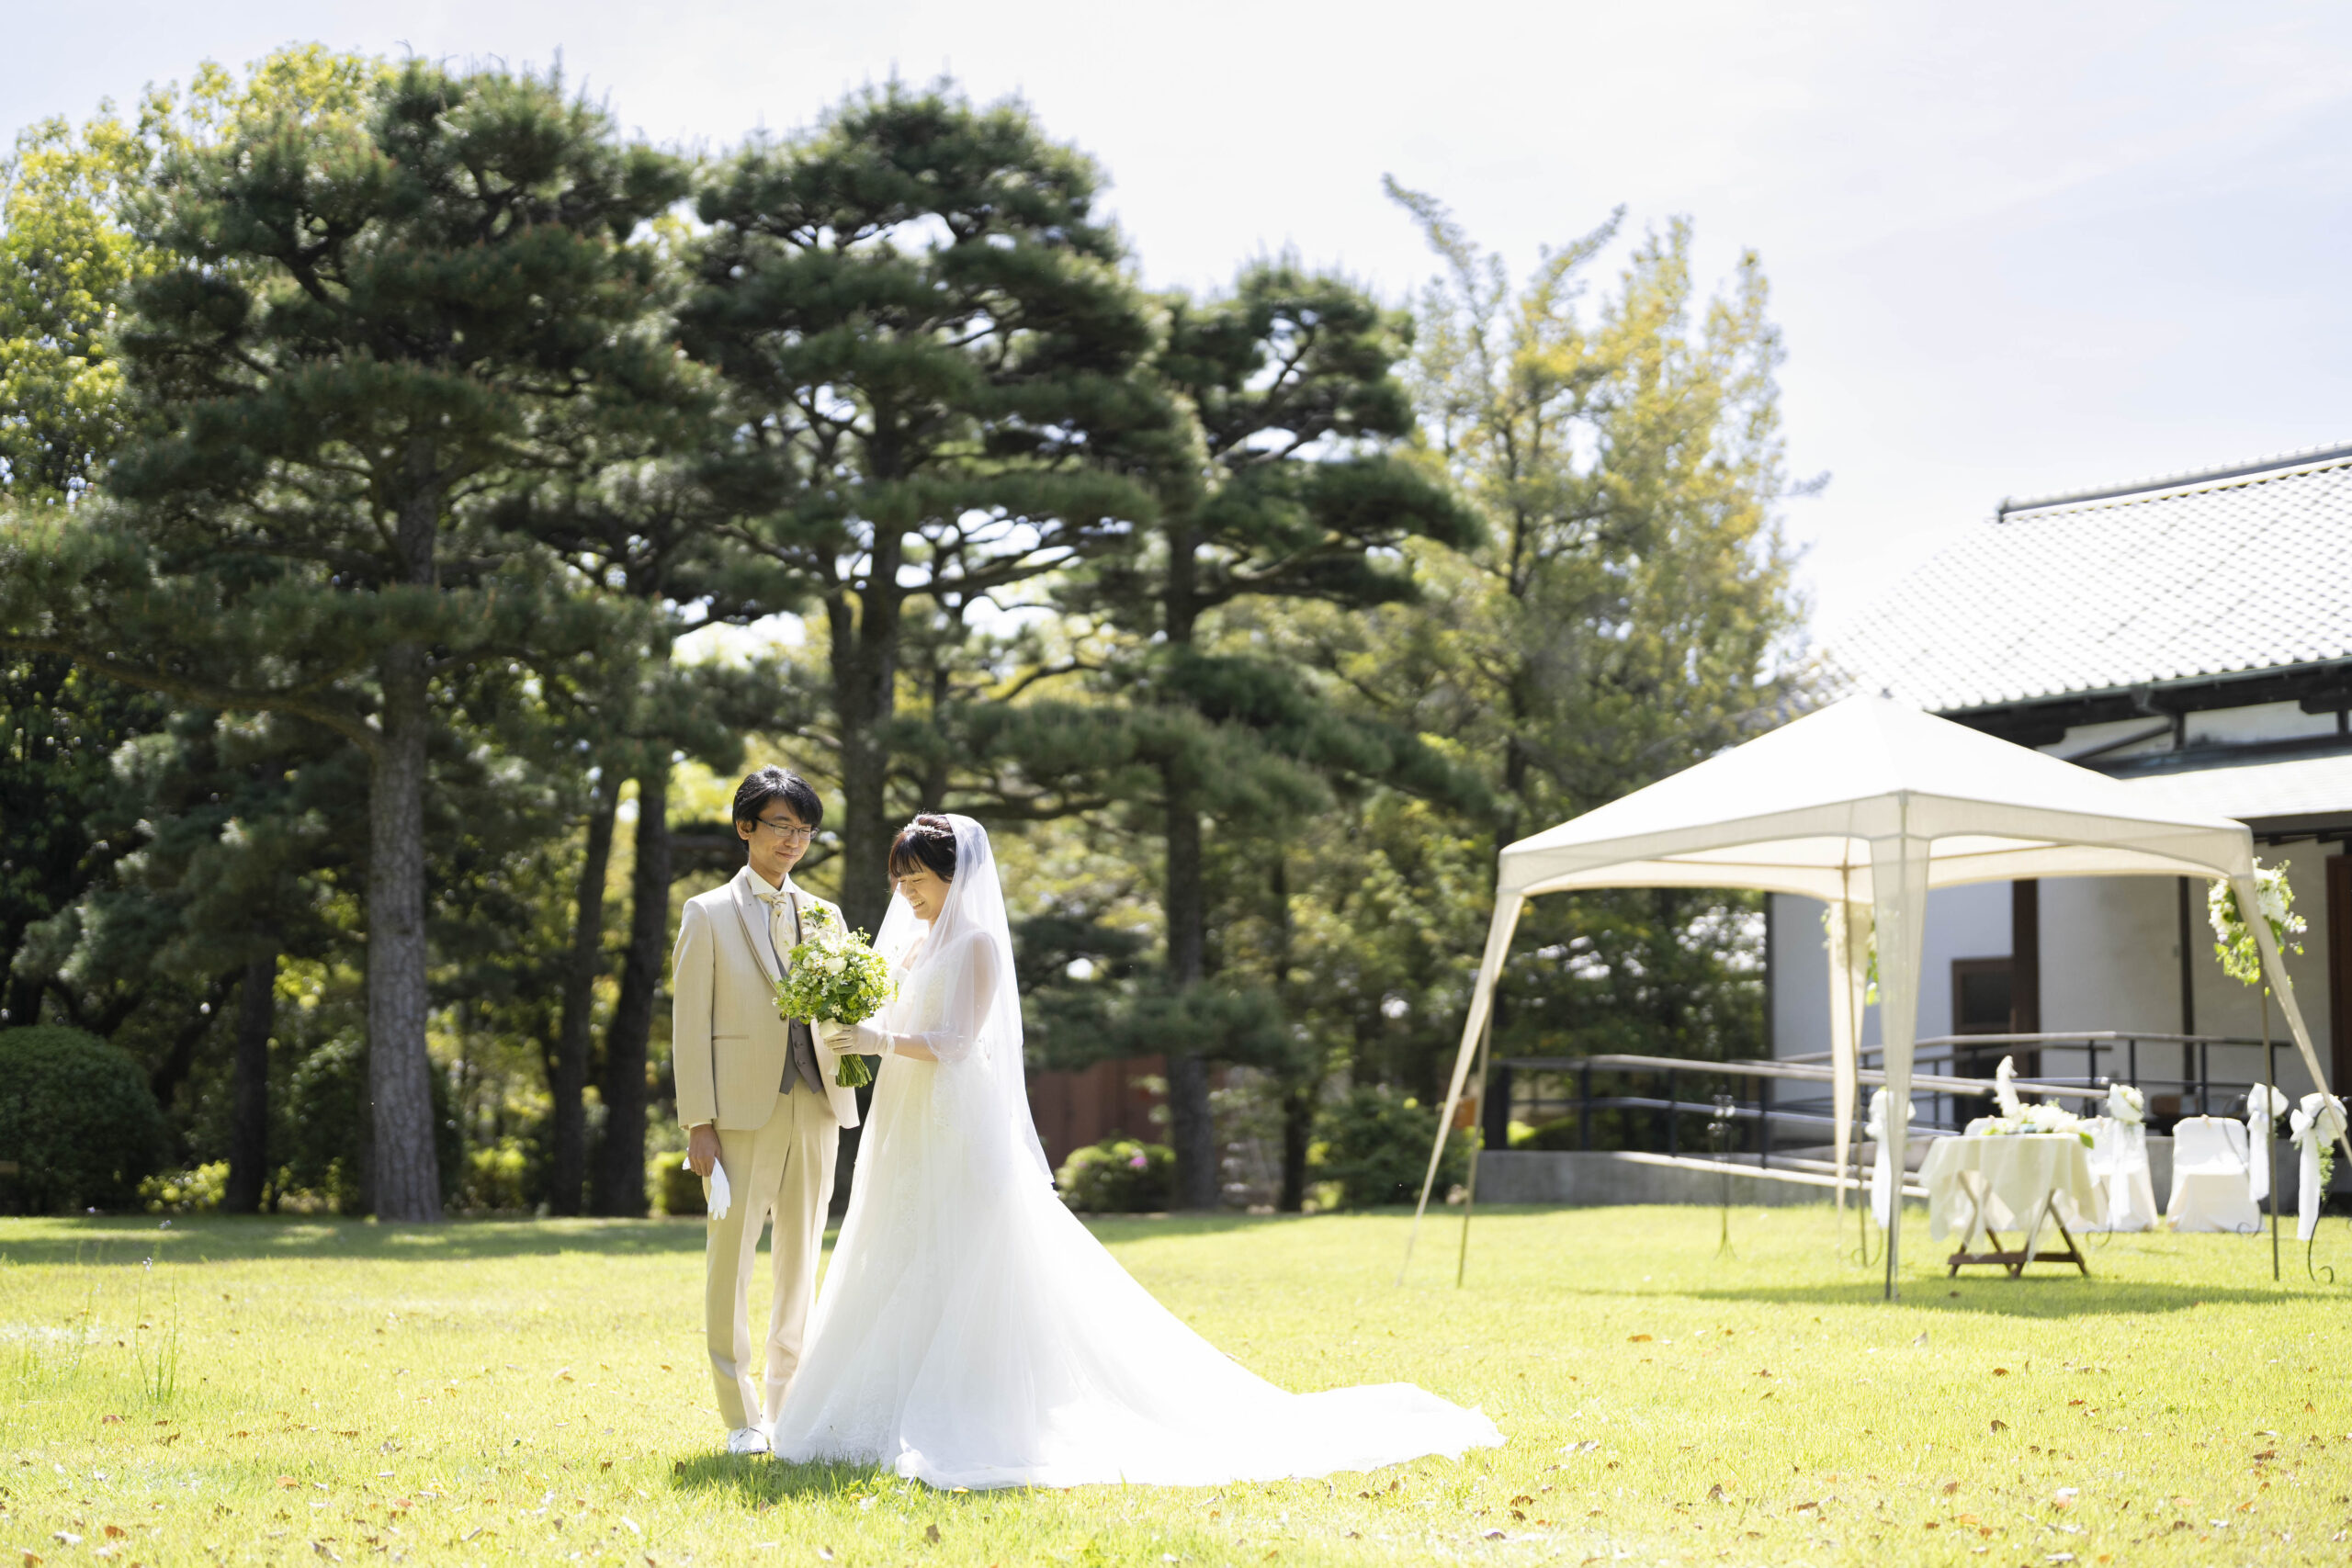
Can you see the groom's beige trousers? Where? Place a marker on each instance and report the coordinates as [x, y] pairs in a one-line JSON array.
[[782, 1168]]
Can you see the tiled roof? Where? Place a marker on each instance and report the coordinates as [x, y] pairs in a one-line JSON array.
[[2255, 792], [2245, 572]]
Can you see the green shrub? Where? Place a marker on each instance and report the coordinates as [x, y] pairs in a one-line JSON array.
[[200, 1190], [1118, 1175], [329, 1112], [498, 1178], [76, 1118], [1375, 1147], [679, 1189]]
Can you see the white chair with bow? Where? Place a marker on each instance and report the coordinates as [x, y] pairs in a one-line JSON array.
[[2211, 1175], [2118, 1162], [2318, 1122]]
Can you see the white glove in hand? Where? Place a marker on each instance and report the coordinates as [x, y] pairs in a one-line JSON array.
[[871, 1040], [721, 1197]]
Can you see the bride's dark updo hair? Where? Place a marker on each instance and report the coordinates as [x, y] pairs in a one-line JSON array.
[[928, 841]]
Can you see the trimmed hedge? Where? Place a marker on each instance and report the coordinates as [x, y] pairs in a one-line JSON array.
[[1118, 1175], [76, 1116]]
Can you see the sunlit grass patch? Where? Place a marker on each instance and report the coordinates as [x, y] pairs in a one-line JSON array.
[[309, 1391]]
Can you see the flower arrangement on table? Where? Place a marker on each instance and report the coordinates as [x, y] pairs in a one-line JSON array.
[[2031, 1120], [835, 975], [2018, 1119]]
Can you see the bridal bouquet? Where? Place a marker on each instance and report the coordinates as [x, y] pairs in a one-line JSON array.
[[835, 974]]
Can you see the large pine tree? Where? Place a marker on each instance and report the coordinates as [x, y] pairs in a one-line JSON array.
[[930, 352], [374, 306]]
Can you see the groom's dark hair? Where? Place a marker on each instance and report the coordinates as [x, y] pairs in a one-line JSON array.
[[753, 795]]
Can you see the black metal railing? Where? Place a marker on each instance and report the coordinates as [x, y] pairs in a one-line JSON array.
[[1777, 1102]]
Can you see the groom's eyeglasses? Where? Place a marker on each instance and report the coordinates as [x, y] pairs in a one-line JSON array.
[[790, 832]]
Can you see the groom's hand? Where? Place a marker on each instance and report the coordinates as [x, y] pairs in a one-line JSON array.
[[702, 1149]]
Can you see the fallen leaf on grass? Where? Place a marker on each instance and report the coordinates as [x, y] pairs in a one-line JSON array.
[[1715, 1494], [931, 1534], [1637, 1339], [1951, 1487], [2000, 1425], [2000, 1371]]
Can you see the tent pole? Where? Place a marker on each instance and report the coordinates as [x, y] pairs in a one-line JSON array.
[[1470, 1192], [2269, 1129], [1482, 995], [2274, 963]]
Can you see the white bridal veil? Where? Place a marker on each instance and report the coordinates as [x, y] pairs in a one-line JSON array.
[[958, 997]]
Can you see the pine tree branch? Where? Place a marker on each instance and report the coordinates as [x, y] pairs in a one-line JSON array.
[[199, 693]]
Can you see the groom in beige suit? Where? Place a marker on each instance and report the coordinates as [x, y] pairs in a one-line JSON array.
[[757, 1098]]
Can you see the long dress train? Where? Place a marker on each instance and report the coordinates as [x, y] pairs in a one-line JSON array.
[[972, 1333]]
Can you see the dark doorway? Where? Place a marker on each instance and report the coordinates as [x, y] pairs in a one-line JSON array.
[[1984, 1002]]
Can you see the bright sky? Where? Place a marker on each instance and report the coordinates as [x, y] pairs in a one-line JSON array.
[[2015, 247]]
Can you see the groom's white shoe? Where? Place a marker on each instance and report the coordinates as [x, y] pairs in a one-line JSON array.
[[747, 1440]]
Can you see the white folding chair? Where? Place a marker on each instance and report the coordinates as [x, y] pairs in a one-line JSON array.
[[2209, 1177], [2118, 1162]]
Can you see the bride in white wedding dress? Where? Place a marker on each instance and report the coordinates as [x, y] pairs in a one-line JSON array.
[[971, 1332]]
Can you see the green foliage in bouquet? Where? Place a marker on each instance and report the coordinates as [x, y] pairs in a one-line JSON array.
[[835, 974]]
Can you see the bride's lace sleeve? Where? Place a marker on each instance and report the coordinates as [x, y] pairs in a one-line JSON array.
[[954, 1025]]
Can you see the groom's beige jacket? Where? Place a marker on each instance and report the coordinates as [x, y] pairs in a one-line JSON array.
[[728, 1046]]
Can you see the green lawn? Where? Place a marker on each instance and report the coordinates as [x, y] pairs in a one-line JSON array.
[[308, 1392]]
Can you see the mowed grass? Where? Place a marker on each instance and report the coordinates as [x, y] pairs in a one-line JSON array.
[[305, 1392]]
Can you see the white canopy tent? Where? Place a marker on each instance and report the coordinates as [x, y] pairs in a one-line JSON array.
[[1865, 805]]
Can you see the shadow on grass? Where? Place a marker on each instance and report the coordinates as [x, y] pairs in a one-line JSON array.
[[116, 1240], [760, 1483], [2028, 1297], [123, 1239]]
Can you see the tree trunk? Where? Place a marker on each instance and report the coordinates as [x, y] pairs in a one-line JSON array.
[[1298, 1133], [568, 1078], [864, 649], [1303, 1079], [1191, 1130], [620, 1160], [249, 1087], [165, 1081], [402, 1177]]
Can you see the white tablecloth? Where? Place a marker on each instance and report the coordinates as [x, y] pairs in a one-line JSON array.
[[2001, 1183]]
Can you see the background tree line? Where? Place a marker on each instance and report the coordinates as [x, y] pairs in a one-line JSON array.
[[372, 435]]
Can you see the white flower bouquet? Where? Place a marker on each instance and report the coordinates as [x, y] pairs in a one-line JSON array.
[[835, 975], [2126, 1104]]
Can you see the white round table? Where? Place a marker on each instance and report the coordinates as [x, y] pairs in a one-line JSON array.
[[1983, 1184]]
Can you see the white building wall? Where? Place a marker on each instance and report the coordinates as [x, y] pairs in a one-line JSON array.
[[1962, 922]]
